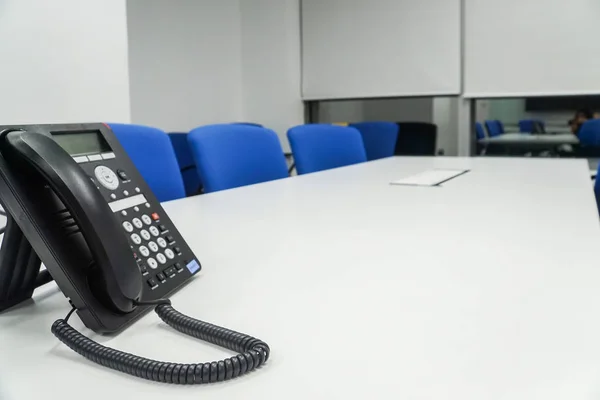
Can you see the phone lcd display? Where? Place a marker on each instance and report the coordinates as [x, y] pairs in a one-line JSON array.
[[82, 142]]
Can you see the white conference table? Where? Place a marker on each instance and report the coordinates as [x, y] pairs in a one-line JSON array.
[[524, 139], [487, 287]]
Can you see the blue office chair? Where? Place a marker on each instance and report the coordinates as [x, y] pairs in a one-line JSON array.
[[379, 138], [151, 152], [531, 126], [318, 147], [232, 155], [494, 127], [479, 131], [187, 166]]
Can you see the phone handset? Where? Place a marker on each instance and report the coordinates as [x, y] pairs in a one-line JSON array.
[[115, 265]]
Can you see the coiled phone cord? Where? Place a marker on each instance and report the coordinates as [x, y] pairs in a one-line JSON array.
[[252, 352]]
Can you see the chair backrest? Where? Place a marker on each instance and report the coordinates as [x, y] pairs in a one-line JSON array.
[[416, 139], [500, 125], [249, 124], [185, 159], [233, 155], [152, 153], [317, 147], [379, 138], [493, 127], [589, 133], [479, 131]]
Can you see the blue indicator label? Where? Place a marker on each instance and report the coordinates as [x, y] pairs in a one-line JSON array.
[[193, 266]]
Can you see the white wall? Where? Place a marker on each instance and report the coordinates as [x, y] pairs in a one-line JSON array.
[[271, 73], [445, 116], [63, 61], [380, 48], [515, 48], [185, 62]]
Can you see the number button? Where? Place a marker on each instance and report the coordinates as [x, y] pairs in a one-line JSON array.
[[136, 239], [154, 231], [146, 219], [161, 258], [137, 223], [161, 242], [152, 263], [144, 251], [169, 253], [127, 226], [153, 246], [145, 234]]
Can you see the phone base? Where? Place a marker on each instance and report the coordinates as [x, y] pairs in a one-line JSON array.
[[19, 267]]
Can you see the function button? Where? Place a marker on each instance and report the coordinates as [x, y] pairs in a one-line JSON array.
[[125, 193], [137, 223], [113, 196], [152, 263], [144, 251], [127, 226], [161, 242], [145, 234], [95, 157], [136, 209], [137, 190], [146, 219], [80, 159], [143, 268], [124, 213], [170, 272], [161, 258], [162, 228], [108, 156], [136, 239], [177, 250], [154, 231], [178, 267], [170, 239], [147, 205], [106, 177], [152, 283], [122, 175], [169, 253], [155, 216], [161, 277], [153, 246]]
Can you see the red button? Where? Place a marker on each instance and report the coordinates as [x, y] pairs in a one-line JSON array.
[[155, 216]]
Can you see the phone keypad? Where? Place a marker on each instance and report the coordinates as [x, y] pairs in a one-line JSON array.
[[154, 246]]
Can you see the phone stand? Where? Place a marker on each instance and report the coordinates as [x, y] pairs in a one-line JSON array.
[[19, 267]]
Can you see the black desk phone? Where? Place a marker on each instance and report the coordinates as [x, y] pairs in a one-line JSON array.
[[75, 201]]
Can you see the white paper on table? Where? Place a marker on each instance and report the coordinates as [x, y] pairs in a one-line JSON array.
[[433, 177]]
